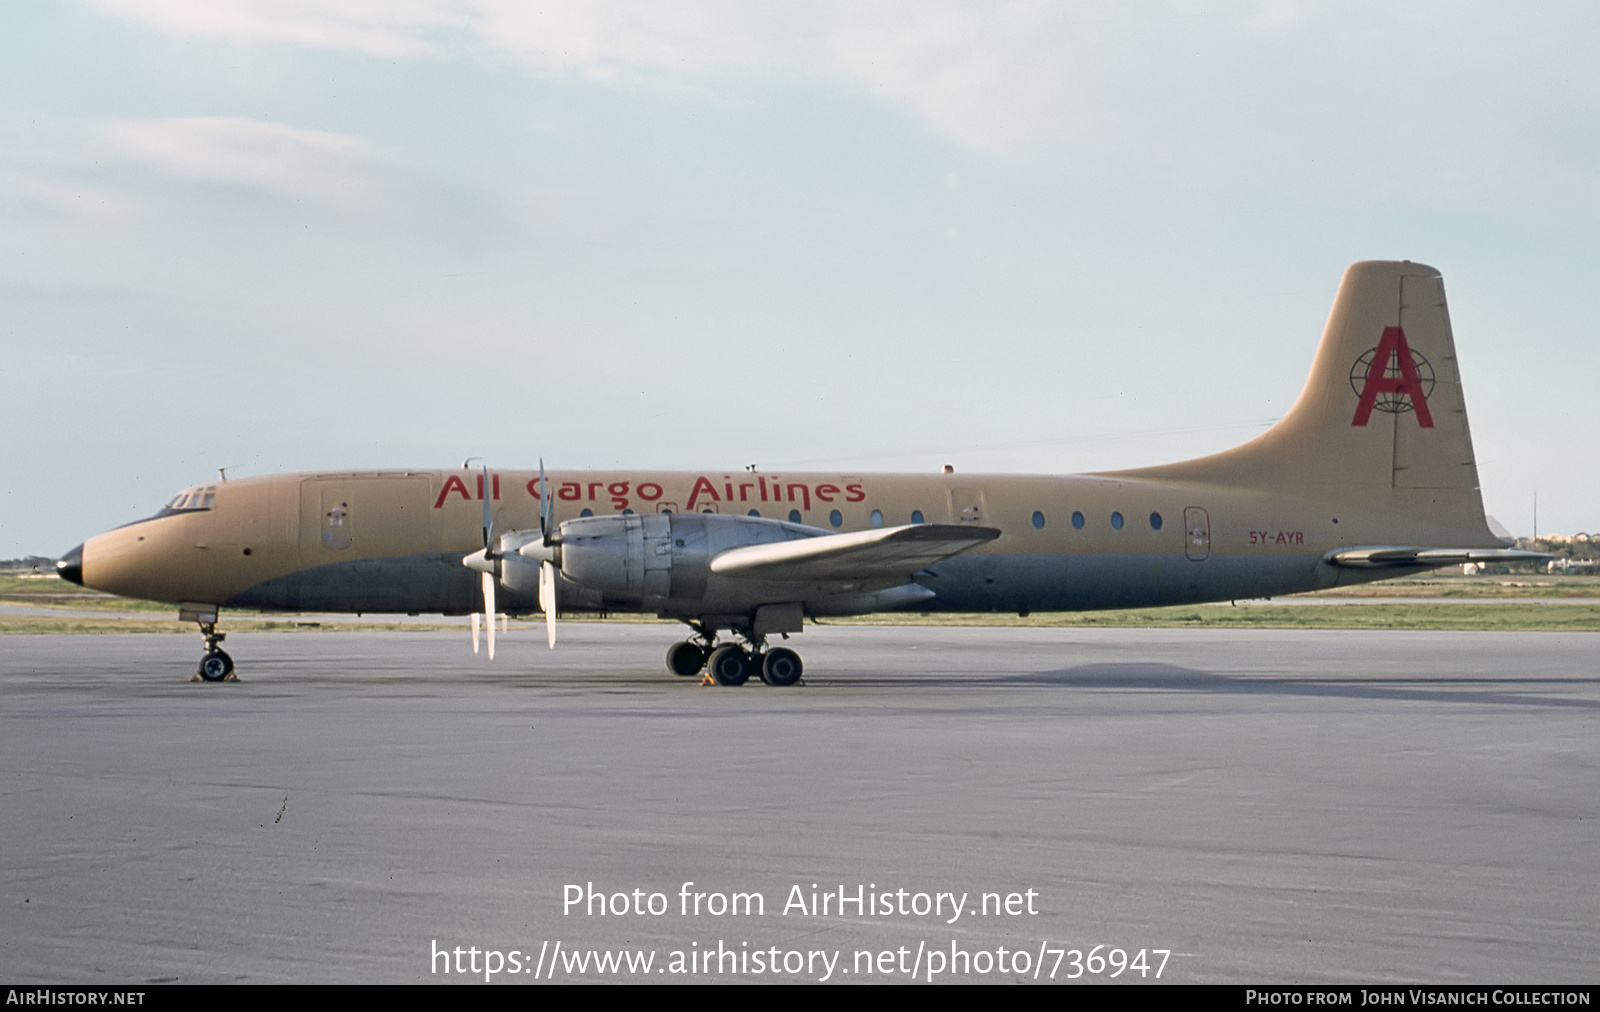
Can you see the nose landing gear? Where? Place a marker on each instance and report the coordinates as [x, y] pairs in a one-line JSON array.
[[215, 664]]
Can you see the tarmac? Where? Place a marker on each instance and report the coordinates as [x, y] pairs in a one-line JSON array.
[[946, 804]]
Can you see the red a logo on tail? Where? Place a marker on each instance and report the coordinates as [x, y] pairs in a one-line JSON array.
[[1393, 378]]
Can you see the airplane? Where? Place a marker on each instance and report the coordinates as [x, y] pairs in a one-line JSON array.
[[1369, 475]]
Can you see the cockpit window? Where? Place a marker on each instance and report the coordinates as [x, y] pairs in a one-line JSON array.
[[190, 500], [199, 498]]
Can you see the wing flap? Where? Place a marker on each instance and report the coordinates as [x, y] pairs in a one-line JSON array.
[[862, 555], [1380, 558]]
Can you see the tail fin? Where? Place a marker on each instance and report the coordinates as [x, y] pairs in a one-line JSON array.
[[1381, 416]]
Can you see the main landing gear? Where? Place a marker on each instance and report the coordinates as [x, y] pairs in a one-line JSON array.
[[733, 664], [215, 664]]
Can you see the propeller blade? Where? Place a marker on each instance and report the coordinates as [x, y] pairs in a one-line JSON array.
[[547, 599], [488, 610], [485, 560], [488, 520], [547, 506]]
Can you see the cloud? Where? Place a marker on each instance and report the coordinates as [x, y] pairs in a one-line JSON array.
[[78, 199], [1432, 103], [387, 28], [56, 174], [327, 167]]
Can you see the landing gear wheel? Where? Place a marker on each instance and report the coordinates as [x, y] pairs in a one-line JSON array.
[[729, 665], [215, 666], [686, 659], [780, 667]]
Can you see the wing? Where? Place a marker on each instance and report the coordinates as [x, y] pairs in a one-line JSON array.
[[1378, 558], [863, 555]]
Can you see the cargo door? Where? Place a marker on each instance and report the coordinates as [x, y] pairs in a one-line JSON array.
[[364, 517], [966, 506]]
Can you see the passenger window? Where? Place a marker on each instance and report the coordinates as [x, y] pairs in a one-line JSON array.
[[1038, 520], [586, 512], [1077, 520], [1116, 521], [794, 516], [1155, 521], [877, 518], [755, 513], [835, 518]]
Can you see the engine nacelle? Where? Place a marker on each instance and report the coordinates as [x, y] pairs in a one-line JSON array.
[[659, 556], [520, 553]]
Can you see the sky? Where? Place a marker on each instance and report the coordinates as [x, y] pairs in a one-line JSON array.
[[298, 235]]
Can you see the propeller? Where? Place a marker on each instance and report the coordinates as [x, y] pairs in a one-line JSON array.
[[485, 562], [488, 560], [547, 569]]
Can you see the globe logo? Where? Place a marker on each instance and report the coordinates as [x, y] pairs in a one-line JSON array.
[[1388, 397]]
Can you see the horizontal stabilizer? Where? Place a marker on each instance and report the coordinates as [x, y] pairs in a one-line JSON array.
[[1379, 558], [864, 555]]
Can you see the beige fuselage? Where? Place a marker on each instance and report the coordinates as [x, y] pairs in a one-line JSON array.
[[1062, 538]]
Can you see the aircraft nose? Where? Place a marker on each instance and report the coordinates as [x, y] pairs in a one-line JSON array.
[[70, 566]]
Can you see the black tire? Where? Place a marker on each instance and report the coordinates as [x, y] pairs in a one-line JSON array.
[[686, 659], [780, 667], [215, 666], [729, 665]]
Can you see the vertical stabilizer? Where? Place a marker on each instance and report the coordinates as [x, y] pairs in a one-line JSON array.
[[1381, 412]]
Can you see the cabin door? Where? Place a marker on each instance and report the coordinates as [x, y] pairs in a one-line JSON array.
[[1197, 524]]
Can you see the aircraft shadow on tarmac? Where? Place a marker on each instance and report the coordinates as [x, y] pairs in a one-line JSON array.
[[1173, 678]]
